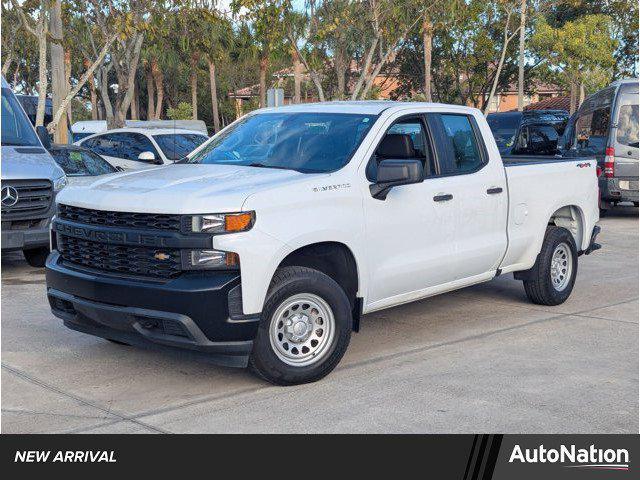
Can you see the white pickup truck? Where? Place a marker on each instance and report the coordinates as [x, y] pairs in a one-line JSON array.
[[270, 241]]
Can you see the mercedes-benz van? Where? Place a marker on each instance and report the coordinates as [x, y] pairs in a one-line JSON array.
[[30, 181]]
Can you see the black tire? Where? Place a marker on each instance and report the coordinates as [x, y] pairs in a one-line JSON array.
[[36, 257], [286, 283], [539, 286]]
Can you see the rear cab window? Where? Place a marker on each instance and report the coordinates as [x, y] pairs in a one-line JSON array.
[[459, 147]]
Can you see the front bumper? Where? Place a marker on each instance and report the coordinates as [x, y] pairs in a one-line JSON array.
[[198, 311], [25, 239]]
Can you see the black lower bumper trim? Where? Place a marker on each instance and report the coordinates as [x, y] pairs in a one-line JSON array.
[[191, 312]]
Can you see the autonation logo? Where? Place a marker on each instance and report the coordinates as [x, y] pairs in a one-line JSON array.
[[591, 458]]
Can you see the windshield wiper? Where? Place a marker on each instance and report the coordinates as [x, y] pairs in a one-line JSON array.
[[262, 165]]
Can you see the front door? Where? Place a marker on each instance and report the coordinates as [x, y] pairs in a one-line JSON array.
[[410, 235]]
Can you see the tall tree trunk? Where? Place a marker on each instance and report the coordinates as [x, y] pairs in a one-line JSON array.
[[42, 78], [194, 86], [132, 68], [340, 67], [214, 95], [67, 85], [58, 77], [134, 102], [506, 39], [95, 114], [158, 78], [573, 97], [427, 41], [264, 63], [523, 19], [104, 88], [297, 76], [7, 64], [151, 109]]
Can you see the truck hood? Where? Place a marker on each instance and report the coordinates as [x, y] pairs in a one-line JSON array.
[[177, 189], [27, 163]]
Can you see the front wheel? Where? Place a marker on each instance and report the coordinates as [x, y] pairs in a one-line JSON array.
[[552, 277], [304, 330]]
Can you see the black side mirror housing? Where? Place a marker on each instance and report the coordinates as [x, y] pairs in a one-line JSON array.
[[43, 135], [393, 173]]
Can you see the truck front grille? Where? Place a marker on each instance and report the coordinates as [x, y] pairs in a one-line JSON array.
[[140, 221], [33, 199], [122, 259]]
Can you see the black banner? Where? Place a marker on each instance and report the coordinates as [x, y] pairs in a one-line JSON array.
[[459, 457]]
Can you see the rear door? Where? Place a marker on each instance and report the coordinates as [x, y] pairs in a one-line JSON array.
[[479, 194], [625, 140]]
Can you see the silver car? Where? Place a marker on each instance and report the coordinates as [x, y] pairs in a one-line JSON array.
[[30, 181]]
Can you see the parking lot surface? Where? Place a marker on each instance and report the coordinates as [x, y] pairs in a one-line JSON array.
[[479, 359]]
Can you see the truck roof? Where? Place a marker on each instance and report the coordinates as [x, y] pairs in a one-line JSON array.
[[363, 107]]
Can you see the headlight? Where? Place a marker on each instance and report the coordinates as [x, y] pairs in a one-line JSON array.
[[212, 259], [223, 222], [59, 183]]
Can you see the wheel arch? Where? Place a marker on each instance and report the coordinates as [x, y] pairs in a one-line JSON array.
[[570, 217]]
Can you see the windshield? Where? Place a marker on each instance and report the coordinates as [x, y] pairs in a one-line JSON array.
[[504, 128], [305, 142], [179, 145], [16, 129], [80, 163]]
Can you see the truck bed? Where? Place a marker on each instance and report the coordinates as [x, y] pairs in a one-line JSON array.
[[516, 160]]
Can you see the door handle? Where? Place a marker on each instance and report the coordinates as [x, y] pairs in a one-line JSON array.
[[445, 197], [494, 190]]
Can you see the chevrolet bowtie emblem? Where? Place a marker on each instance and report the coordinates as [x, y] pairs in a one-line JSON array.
[[8, 196], [162, 256]]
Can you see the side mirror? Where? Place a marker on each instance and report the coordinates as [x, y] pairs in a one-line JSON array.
[[43, 135], [149, 157], [393, 173]]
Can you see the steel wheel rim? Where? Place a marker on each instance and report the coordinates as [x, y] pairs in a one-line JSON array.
[[561, 267], [302, 330]]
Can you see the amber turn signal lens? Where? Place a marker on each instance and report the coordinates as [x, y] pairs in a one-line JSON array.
[[238, 222], [232, 259]]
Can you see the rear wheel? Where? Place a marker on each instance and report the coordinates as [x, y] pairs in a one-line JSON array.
[[304, 330], [36, 257], [551, 280]]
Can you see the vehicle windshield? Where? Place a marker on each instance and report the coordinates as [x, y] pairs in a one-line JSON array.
[[179, 145], [16, 128], [81, 163], [305, 142], [504, 128]]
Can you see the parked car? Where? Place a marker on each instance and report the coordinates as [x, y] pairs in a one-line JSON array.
[[85, 128], [266, 246], [30, 181], [606, 126], [137, 148], [81, 165], [531, 132]]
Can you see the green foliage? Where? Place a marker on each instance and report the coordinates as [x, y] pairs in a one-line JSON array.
[[182, 112], [582, 48]]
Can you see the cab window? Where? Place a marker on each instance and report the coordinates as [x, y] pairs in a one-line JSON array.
[[460, 151], [405, 139]]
